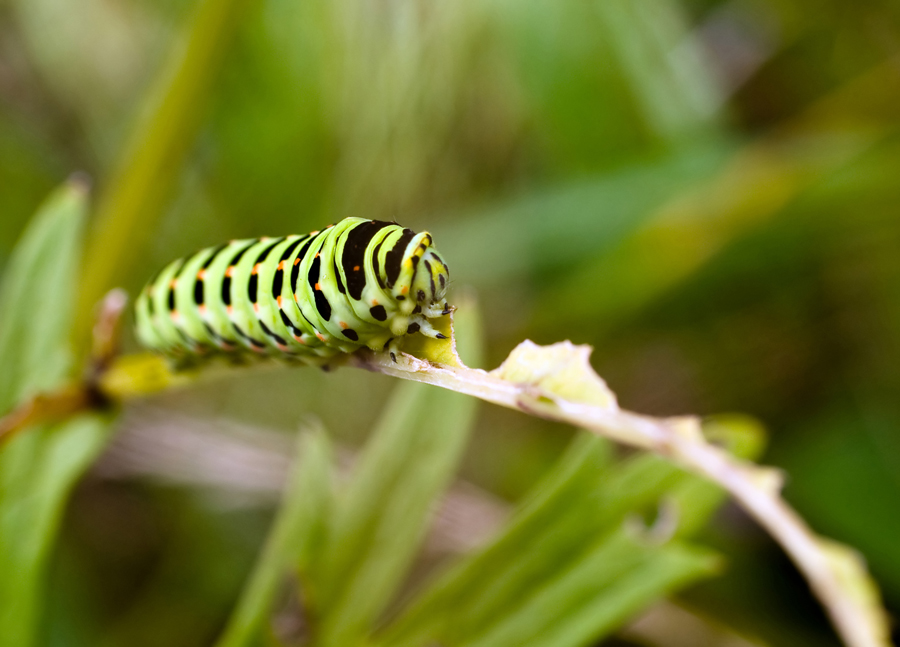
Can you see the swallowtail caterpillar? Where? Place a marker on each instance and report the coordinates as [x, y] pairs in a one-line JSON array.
[[356, 283]]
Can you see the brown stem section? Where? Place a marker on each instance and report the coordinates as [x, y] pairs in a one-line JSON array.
[[47, 407], [81, 396]]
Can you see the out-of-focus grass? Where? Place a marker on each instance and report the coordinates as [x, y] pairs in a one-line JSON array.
[[383, 513], [39, 468], [583, 165], [294, 541], [131, 204], [542, 581]]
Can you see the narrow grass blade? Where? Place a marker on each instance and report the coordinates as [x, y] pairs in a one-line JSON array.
[[385, 511], [697, 224], [37, 297], [664, 64], [294, 539], [577, 502], [591, 598], [38, 469], [560, 547], [160, 142]]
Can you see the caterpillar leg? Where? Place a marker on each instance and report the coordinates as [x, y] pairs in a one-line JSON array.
[[437, 310], [420, 324]]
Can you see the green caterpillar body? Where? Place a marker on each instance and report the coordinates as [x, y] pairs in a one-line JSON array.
[[356, 283]]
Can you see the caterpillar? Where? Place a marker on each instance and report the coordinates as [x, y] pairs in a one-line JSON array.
[[358, 283]]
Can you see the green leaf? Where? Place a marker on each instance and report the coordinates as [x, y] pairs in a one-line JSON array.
[[294, 539], [593, 596], [37, 297], [38, 468], [566, 546], [384, 513], [580, 501]]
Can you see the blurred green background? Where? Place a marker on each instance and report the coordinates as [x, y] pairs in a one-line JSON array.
[[705, 191]]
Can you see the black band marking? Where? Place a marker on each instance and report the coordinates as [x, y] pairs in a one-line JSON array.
[[253, 283], [272, 335], [278, 279], [172, 283], [228, 344], [257, 345], [337, 276], [212, 256], [354, 255], [295, 270], [199, 282], [376, 265], [395, 257], [290, 324], [430, 278], [290, 250], [322, 305], [226, 281]]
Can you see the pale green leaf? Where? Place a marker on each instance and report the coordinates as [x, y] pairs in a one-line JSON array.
[[294, 539], [39, 467], [594, 595], [384, 513], [581, 501]]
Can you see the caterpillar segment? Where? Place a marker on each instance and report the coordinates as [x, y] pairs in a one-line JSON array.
[[356, 283]]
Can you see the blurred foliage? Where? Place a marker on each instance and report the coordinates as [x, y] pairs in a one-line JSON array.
[[705, 190], [572, 564], [38, 469]]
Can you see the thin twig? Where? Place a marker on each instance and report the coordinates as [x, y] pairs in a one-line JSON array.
[[835, 573]]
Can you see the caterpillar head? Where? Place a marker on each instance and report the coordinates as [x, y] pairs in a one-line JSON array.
[[424, 276]]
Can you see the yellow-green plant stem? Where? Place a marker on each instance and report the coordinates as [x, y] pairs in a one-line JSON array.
[[133, 200]]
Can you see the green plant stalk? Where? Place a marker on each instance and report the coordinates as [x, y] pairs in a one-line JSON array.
[[385, 511], [307, 499], [38, 470], [163, 135], [551, 543], [634, 576]]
